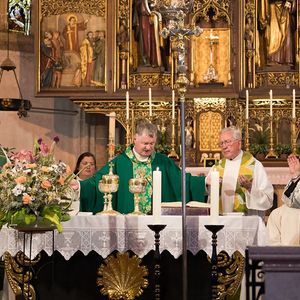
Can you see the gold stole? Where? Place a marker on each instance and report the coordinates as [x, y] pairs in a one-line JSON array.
[[246, 169]]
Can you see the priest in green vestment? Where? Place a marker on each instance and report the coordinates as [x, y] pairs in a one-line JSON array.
[[140, 160]]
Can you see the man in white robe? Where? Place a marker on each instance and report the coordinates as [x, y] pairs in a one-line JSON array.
[[284, 222], [242, 174]]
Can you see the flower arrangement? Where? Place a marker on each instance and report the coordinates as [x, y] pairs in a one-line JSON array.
[[35, 188]]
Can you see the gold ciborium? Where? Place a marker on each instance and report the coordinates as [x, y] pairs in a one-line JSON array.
[[109, 184], [137, 186]]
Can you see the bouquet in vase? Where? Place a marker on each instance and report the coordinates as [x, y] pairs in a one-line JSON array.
[[34, 188]]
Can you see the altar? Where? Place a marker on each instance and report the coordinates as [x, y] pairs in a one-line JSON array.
[[87, 240]]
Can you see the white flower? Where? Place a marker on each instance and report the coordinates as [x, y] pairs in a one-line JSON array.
[[18, 189]]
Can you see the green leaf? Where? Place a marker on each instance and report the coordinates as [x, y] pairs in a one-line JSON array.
[[53, 214], [22, 217]]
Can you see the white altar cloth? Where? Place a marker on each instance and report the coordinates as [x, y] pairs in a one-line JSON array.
[[104, 234]]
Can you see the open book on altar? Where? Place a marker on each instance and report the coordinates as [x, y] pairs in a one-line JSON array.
[[192, 208]]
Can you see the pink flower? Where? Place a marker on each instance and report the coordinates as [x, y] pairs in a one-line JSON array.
[[23, 155], [44, 149]]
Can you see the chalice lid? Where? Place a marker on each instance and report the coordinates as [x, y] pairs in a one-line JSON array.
[[110, 177]]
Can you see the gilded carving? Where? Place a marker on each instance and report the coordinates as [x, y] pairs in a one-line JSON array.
[[221, 8], [210, 124], [149, 80], [230, 273], [276, 79], [122, 277], [18, 271], [59, 7], [123, 11]]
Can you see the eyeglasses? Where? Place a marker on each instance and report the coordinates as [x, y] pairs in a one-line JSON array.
[[227, 143]]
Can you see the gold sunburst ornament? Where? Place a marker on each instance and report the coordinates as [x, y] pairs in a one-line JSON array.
[[122, 277]]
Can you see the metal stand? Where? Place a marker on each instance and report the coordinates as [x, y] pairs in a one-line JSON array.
[[214, 259], [157, 229]]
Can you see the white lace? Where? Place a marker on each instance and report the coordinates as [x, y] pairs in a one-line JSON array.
[[104, 234]]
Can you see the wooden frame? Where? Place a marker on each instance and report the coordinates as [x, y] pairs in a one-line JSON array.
[[71, 47]]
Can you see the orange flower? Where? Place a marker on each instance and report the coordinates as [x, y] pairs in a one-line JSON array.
[[26, 199], [21, 179], [45, 169], [61, 180], [31, 166], [46, 184], [68, 170]]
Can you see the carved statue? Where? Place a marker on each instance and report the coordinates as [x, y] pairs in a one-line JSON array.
[[146, 29], [276, 26]]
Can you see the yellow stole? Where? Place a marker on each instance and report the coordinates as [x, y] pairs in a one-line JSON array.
[[246, 169]]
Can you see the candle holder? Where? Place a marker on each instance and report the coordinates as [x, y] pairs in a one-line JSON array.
[[127, 133], [137, 186], [214, 259], [271, 153], [247, 144], [294, 136], [109, 184], [173, 152], [157, 228]]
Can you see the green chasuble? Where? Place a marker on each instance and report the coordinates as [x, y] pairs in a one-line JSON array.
[[91, 199]]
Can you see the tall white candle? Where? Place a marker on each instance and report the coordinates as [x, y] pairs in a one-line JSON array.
[[294, 105], [214, 195], [173, 104], [150, 102], [156, 199], [247, 104], [127, 105], [271, 103]]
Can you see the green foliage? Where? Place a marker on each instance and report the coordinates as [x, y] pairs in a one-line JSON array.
[[283, 149], [163, 148], [259, 148], [258, 135]]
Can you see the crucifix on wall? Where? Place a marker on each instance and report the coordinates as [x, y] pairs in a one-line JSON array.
[[211, 74]]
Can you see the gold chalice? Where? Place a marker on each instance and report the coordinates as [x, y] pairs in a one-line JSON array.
[[108, 184], [137, 186]]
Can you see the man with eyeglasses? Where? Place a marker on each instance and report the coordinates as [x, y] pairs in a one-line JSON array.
[[244, 183]]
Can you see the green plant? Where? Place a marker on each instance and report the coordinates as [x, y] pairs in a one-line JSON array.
[[259, 135], [283, 149], [259, 148], [163, 148]]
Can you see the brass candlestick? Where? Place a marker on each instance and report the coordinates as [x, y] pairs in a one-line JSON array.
[[294, 136], [173, 152], [272, 153], [109, 184], [247, 135], [137, 186], [127, 133]]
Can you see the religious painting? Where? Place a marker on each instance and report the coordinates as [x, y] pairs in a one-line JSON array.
[[19, 16], [71, 47]]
